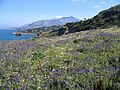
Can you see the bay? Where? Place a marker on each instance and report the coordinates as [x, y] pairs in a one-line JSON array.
[[7, 35]]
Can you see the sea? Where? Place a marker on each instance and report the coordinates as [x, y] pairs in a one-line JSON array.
[[7, 35]]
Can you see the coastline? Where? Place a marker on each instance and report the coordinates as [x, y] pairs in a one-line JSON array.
[[15, 33]]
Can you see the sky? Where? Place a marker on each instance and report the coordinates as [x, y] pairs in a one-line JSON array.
[[20, 12]]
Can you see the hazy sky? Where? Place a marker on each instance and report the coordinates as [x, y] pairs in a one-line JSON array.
[[19, 12]]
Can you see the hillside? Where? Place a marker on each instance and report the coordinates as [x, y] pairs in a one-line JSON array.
[[86, 60], [64, 53], [105, 19]]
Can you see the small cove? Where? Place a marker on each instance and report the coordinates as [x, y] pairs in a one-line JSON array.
[[7, 35]]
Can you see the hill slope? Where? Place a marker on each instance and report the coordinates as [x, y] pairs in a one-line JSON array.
[[105, 19], [88, 60]]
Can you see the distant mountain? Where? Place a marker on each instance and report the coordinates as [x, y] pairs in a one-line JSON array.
[[105, 19], [49, 22]]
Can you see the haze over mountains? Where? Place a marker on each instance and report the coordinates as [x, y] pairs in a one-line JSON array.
[[49, 22]]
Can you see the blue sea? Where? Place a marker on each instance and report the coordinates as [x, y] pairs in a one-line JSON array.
[[7, 35]]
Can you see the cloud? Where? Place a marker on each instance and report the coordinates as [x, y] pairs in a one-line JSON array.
[[99, 5], [103, 2], [75, 0], [58, 16]]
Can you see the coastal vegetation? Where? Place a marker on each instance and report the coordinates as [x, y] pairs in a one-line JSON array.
[[87, 60], [77, 56]]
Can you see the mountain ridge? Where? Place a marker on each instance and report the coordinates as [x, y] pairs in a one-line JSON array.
[[49, 22]]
